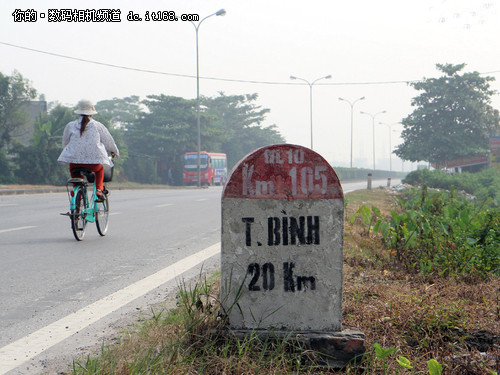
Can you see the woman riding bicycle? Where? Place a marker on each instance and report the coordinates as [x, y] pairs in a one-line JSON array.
[[86, 143]]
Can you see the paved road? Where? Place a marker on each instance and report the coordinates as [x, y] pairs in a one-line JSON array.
[[45, 274]]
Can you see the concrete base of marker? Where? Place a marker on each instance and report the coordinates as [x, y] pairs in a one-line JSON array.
[[332, 349]]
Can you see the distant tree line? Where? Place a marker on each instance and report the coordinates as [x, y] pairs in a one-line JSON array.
[[453, 117], [152, 134]]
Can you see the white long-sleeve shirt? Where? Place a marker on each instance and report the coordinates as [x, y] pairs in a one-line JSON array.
[[90, 148]]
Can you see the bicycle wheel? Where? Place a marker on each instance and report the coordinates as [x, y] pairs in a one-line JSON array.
[[102, 216], [78, 222]]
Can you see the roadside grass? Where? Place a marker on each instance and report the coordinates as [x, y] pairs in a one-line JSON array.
[[186, 340], [413, 324]]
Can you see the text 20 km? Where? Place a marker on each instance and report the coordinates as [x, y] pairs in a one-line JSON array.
[[263, 278]]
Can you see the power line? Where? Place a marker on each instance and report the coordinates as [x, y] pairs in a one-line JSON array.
[[191, 76], [217, 78], [96, 62]]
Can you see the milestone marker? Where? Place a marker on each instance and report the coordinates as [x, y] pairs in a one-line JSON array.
[[282, 231], [281, 253]]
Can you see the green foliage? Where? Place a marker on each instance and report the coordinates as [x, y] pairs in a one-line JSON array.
[[6, 173], [14, 90], [346, 174], [152, 134], [37, 163], [382, 354], [435, 368], [438, 233], [158, 138], [368, 217], [141, 169], [240, 120], [118, 135], [452, 117], [38, 166], [120, 112], [483, 185], [404, 362]]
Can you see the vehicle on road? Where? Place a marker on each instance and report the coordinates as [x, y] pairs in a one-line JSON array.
[[213, 168]]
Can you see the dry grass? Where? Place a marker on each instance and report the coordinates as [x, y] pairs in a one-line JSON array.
[[454, 321]]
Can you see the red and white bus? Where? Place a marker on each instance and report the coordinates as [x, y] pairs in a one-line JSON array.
[[213, 168]]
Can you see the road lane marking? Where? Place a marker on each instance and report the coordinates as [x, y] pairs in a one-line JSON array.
[[164, 205], [14, 229], [25, 349]]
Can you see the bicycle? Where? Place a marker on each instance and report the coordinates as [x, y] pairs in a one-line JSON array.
[[83, 209]]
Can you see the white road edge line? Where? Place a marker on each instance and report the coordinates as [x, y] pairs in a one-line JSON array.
[[18, 228], [23, 350]]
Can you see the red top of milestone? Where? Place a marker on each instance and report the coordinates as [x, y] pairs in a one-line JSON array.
[[283, 171]]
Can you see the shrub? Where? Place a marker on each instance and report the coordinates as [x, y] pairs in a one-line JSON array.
[[440, 233], [483, 185]]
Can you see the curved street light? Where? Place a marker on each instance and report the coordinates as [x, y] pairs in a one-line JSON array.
[[373, 125], [352, 106], [220, 12], [310, 98]]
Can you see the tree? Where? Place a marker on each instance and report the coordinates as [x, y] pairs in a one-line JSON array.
[[160, 136], [37, 163], [453, 117], [6, 172], [115, 123], [121, 112], [14, 90], [241, 121]]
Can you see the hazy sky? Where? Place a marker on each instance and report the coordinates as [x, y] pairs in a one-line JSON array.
[[370, 48]]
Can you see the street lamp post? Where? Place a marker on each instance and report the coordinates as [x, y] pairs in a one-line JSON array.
[[373, 126], [352, 106], [220, 12], [311, 98], [390, 141]]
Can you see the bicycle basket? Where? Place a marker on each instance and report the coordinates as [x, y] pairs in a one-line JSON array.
[[108, 172]]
